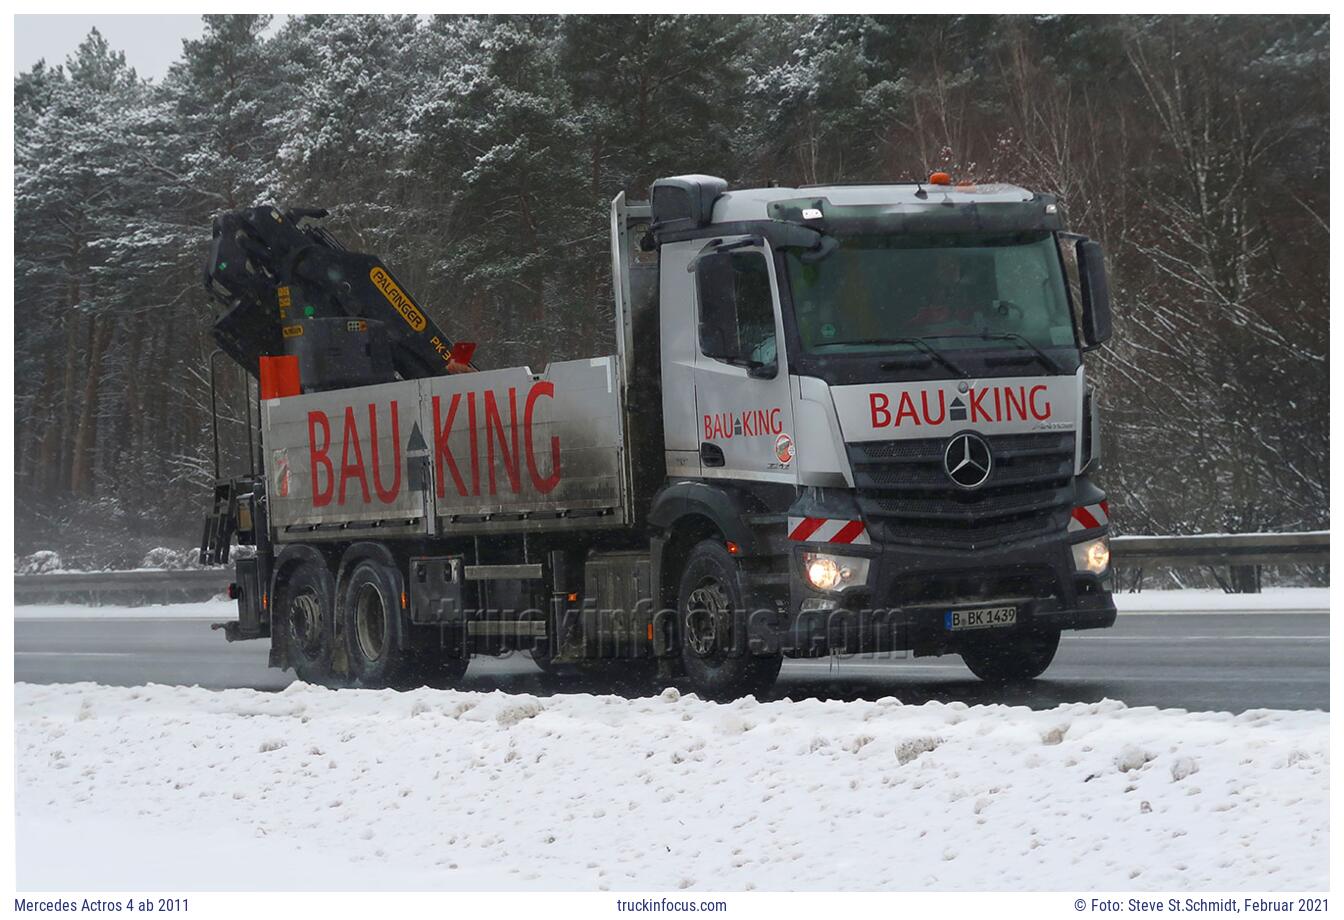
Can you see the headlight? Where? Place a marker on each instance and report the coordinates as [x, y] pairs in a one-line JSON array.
[[826, 572], [1093, 556]]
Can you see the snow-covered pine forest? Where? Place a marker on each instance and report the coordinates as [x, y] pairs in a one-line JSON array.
[[478, 155]]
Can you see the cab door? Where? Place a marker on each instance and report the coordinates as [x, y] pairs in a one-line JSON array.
[[745, 417]]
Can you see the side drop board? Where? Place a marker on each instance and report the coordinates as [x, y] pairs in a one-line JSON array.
[[495, 450]]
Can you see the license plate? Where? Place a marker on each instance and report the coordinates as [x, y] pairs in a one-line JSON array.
[[981, 618]]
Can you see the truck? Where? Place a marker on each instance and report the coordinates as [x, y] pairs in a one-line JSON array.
[[839, 419]]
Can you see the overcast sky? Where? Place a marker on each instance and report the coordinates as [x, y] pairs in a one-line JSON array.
[[151, 42]]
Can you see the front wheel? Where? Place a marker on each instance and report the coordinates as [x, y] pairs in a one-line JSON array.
[[716, 652], [1008, 659]]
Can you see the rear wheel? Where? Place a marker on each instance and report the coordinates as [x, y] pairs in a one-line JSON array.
[[1007, 659], [716, 653], [306, 595], [373, 624]]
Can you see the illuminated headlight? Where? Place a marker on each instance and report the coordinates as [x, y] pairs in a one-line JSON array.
[[826, 572], [1093, 556]]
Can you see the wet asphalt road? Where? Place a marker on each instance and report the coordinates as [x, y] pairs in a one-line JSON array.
[[1203, 661]]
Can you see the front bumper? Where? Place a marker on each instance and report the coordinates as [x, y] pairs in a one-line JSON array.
[[910, 589]]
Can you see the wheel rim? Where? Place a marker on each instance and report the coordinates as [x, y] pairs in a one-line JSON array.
[[305, 615], [708, 613], [370, 622]]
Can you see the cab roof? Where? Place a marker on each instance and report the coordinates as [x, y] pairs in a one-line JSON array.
[[754, 203], [686, 207]]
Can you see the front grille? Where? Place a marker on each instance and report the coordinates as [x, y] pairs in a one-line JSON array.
[[907, 476], [906, 496], [951, 588]]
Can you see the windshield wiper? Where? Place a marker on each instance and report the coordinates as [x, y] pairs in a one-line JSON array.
[[916, 342], [1021, 341]]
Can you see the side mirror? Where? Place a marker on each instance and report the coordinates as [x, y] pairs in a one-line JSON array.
[[1096, 292]]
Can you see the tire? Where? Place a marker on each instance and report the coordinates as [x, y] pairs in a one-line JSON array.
[[306, 595], [712, 628], [373, 625], [1008, 659]]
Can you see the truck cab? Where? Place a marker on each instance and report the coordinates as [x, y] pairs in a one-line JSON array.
[[876, 393]]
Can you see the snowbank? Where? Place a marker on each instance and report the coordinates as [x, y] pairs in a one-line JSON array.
[[1197, 600], [157, 559], [42, 562], [169, 788]]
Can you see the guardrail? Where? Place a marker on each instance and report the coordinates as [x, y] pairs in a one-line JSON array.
[[142, 582], [1244, 554], [1309, 548], [1130, 552]]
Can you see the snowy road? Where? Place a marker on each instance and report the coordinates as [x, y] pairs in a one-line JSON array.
[[1162, 657]]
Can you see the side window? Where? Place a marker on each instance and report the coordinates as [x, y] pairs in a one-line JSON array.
[[737, 315]]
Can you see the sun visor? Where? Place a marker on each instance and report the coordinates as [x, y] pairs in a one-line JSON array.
[[934, 216]]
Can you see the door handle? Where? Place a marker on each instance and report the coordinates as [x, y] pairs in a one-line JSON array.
[[711, 454]]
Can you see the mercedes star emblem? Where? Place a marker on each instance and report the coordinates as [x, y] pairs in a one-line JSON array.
[[967, 460]]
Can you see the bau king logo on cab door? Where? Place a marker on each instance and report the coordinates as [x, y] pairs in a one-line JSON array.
[[749, 423]]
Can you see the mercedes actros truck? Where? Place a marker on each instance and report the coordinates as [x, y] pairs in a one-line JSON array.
[[841, 419]]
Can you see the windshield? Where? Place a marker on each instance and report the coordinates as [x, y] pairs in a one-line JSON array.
[[957, 293]]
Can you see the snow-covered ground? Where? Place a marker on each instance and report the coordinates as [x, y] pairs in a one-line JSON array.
[[160, 788], [1194, 600], [1272, 600]]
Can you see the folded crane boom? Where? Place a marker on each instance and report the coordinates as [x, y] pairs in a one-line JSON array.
[[292, 289]]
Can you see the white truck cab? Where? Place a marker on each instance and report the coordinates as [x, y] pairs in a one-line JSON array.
[[884, 384]]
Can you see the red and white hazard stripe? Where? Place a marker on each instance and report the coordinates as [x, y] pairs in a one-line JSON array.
[[1090, 517], [828, 530]]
